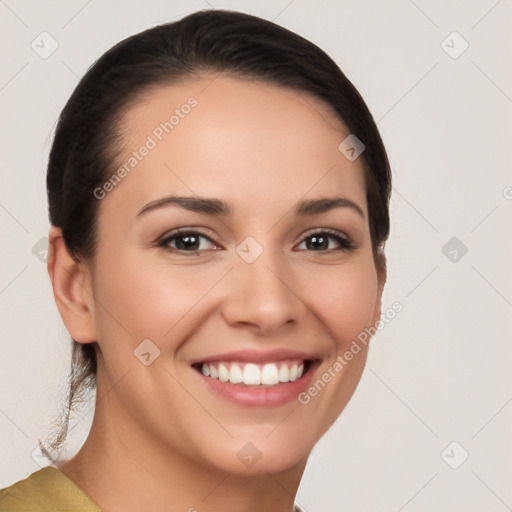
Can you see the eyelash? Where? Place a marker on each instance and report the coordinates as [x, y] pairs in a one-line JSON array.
[[345, 243]]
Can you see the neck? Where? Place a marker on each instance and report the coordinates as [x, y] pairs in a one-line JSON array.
[[122, 468]]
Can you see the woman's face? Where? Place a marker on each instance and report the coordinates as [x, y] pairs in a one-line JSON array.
[[252, 288]]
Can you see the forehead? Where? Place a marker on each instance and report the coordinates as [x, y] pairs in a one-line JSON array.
[[218, 135]]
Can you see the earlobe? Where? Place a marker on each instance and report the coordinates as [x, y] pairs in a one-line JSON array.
[[72, 289]]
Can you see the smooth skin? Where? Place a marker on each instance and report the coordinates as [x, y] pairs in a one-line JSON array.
[[160, 439]]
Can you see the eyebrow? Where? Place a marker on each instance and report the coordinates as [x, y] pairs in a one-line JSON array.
[[212, 206]]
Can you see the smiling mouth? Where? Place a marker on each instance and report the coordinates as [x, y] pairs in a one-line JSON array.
[[261, 375]]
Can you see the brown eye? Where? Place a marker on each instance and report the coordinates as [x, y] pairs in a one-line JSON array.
[[187, 241], [321, 241]]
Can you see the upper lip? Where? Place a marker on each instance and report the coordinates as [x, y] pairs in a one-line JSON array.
[[258, 356]]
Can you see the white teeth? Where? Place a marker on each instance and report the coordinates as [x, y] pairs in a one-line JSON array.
[[284, 373], [235, 375], [251, 374], [269, 374], [293, 372], [223, 373]]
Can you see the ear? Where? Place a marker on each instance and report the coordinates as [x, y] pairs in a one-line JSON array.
[[72, 289], [381, 266]]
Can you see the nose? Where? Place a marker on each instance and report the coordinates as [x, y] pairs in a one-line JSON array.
[[262, 296]]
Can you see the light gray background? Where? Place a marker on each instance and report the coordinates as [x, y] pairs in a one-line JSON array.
[[440, 371]]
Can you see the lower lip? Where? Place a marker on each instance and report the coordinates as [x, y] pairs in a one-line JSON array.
[[252, 396]]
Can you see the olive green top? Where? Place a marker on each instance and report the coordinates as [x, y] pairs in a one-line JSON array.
[[46, 490], [49, 490]]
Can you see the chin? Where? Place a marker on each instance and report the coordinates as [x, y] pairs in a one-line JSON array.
[[259, 455]]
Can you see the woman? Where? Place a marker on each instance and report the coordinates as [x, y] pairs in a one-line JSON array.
[[218, 193]]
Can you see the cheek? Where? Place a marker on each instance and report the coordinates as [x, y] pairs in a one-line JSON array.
[[344, 299], [150, 301]]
